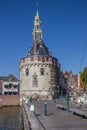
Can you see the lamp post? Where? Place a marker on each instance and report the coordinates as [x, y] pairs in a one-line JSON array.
[[67, 101], [30, 99], [53, 95]]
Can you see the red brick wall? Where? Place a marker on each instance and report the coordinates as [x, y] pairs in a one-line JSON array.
[[10, 100]]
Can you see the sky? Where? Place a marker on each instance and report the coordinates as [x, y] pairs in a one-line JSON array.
[[64, 25]]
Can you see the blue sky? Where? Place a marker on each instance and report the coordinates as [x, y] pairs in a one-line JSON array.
[[64, 24]]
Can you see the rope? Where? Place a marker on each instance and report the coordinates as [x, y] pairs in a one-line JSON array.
[[83, 55]]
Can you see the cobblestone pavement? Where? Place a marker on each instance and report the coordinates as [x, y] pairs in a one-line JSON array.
[[57, 119]]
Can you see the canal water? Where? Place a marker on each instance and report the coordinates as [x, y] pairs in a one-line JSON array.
[[10, 118]]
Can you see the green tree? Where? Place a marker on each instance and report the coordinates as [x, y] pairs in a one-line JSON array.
[[84, 76]]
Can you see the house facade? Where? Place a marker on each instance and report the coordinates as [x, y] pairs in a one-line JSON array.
[[9, 85]]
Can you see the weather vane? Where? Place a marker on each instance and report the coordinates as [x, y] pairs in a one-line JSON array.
[[37, 4]]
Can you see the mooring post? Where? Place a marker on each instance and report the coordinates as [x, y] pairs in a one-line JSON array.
[[54, 99], [67, 101], [30, 99], [45, 109]]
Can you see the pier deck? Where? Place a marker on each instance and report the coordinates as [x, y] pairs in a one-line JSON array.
[[57, 119]]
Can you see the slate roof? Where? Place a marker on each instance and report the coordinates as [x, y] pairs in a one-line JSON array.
[[41, 49], [9, 78]]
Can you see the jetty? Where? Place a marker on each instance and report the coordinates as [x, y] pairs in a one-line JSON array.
[[46, 115]]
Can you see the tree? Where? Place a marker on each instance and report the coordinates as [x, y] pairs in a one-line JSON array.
[[83, 76]]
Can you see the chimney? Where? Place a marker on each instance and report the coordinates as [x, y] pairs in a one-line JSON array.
[[35, 46]]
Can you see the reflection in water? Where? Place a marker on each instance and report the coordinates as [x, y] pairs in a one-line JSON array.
[[10, 118]]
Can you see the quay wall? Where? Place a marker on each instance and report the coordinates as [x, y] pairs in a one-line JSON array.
[[29, 119], [9, 100], [26, 122]]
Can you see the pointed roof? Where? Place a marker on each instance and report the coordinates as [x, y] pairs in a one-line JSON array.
[[41, 49], [38, 48]]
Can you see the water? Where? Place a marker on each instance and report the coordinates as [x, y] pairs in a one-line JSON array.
[[10, 118]]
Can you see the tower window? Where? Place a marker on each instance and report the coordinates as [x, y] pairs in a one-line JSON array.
[[27, 71], [42, 71], [35, 80], [37, 20], [37, 27]]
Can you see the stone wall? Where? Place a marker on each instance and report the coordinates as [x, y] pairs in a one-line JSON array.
[[9, 100]]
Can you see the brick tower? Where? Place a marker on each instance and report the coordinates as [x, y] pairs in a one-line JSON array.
[[39, 69]]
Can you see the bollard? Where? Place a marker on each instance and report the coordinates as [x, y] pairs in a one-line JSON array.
[[30, 99], [54, 99], [45, 109], [32, 109], [67, 101], [26, 101]]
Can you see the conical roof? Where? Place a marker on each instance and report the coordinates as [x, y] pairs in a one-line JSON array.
[[41, 49]]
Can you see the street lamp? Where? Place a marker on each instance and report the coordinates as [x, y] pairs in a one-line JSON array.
[[67, 101]]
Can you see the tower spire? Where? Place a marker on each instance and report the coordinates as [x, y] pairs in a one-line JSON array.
[[37, 5], [37, 13], [37, 31]]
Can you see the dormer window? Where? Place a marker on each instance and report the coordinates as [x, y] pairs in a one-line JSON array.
[[6, 86], [15, 86]]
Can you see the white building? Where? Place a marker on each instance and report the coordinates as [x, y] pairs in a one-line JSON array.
[[9, 85], [39, 69]]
